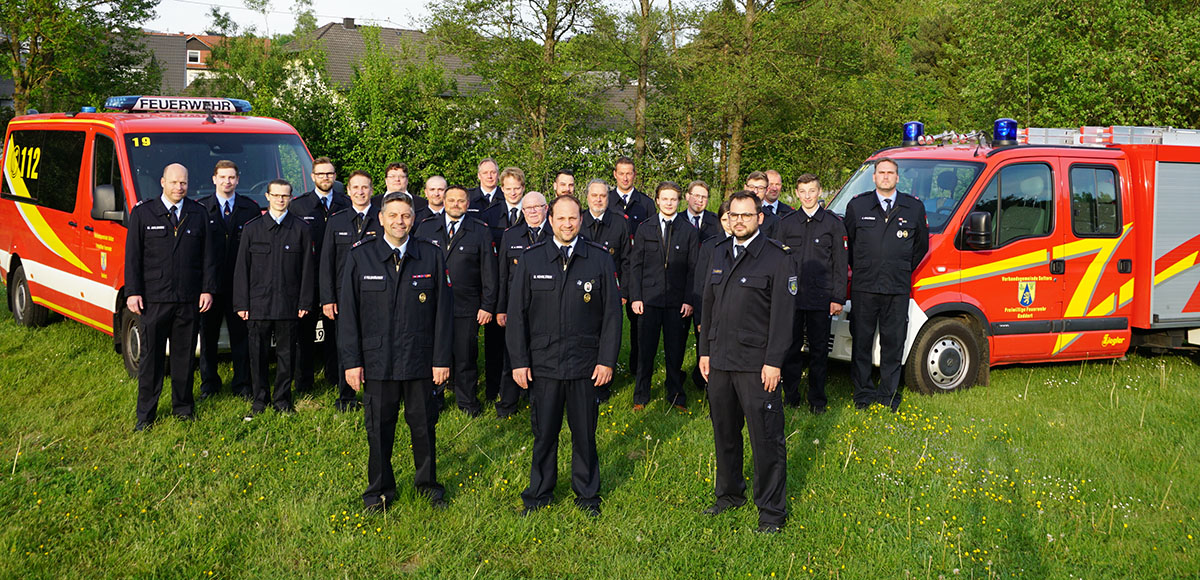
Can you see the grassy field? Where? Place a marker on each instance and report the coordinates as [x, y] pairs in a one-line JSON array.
[[1058, 471]]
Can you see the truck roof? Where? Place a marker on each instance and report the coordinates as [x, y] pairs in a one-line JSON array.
[[164, 122], [982, 153]]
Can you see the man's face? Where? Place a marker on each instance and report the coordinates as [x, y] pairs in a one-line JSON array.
[[597, 198], [743, 218], [774, 186], [624, 175], [697, 199], [535, 211], [564, 184], [886, 177], [809, 194], [359, 190], [668, 202], [757, 187], [565, 222], [396, 217], [435, 192], [513, 190], [456, 203], [323, 176], [488, 174], [174, 183], [396, 180], [226, 180], [280, 197]]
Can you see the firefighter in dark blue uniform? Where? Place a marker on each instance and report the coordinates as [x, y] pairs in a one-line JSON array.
[[170, 278], [818, 242], [757, 183], [503, 213], [697, 214], [888, 238], [703, 257], [749, 298], [602, 225], [395, 321], [636, 207], [564, 333], [532, 229]]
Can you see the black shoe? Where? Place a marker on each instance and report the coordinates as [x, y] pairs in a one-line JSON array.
[[505, 414], [252, 414], [204, 395], [768, 529], [187, 418], [592, 511], [142, 426], [473, 413], [344, 406], [719, 507], [861, 406], [817, 410], [439, 503]]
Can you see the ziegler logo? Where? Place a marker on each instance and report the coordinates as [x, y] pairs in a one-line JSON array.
[[1111, 340]]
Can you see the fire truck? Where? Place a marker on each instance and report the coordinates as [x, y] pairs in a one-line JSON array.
[[1045, 245], [71, 178]]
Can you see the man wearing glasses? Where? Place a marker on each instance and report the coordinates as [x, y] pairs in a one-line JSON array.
[[697, 212], [757, 184], [516, 239]]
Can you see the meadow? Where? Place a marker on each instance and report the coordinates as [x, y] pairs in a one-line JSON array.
[[1074, 470]]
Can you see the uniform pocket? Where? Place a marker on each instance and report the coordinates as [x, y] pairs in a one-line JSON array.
[[759, 282], [541, 285], [262, 248], [373, 285], [372, 342], [752, 339]]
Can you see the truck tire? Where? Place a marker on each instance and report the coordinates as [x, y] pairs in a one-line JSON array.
[[25, 312], [945, 357], [131, 341]]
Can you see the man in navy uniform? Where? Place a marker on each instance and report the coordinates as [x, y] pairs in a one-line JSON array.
[[229, 212], [564, 335], [531, 230], [703, 257], [488, 191], [344, 229], [697, 214], [757, 184], [818, 242], [602, 225], [470, 257], [744, 337], [170, 278], [770, 200], [888, 238], [636, 207], [503, 212], [395, 321], [564, 182]]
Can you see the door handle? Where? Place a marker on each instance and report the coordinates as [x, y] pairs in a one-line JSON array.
[[1058, 267], [73, 224], [89, 228], [1125, 266]]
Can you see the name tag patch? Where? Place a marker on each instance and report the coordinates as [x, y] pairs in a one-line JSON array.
[[372, 277], [543, 276]]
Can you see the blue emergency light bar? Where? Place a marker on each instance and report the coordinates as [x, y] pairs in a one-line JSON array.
[[913, 130], [138, 103], [1004, 132]]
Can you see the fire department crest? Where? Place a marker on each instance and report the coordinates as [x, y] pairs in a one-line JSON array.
[[1026, 293], [792, 285]]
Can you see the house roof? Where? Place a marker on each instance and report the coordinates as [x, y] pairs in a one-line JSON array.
[[343, 44]]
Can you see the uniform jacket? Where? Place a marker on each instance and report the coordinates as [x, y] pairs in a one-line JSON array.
[[164, 263], [748, 306], [710, 225], [276, 269], [703, 257], [471, 259], [512, 245], [662, 271], [819, 246], [476, 203], [885, 249], [229, 234], [613, 234], [784, 209], [396, 325], [340, 236], [562, 323], [309, 208], [420, 206], [640, 207]]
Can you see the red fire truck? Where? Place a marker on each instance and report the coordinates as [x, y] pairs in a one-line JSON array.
[[70, 178], [1045, 245]]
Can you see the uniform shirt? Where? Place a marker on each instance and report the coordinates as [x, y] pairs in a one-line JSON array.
[[276, 269], [397, 325], [471, 259], [885, 248], [748, 306], [819, 245], [562, 323], [662, 269], [512, 246], [169, 263], [228, 233], [611, 231], [637, 210], [340, 236]]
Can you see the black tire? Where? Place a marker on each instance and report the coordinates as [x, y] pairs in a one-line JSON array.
[[945, 357], [25, 312], [131, 341]]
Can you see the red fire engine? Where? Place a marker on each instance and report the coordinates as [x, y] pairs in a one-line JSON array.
[[1045, 245], [70, 178]]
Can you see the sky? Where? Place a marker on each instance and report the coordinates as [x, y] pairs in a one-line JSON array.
[[191, 16]]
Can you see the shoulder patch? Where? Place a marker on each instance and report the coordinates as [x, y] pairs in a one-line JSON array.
[[537, 245], [595, 245]]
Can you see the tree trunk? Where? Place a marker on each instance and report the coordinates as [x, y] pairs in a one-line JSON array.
[[639, 109], [733, 166]]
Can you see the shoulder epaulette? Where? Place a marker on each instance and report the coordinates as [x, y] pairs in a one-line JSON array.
[[255, 218], [474, 219], [362, 241], [594, 245], [141, 202], [780, 245], [537, 245], [727, 240]]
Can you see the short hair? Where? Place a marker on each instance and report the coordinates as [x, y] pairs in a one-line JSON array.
[[665, 185], [396, 165], [486, 160], [323, 160], [226, 164], [595, 181], [623, 160], [807, 178], [512, 172], [701, 183], [886, 160], [399, 196], [281, 182], [724, 209], [358, 173], [745, 194], [756, 176], [433, 177], [565, 197], [564, 171], [455, 186]]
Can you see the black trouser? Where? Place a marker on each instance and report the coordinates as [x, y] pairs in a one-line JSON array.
[[547, 399], [239, 349], [494, 353], [697, 378], [159, 322], [381, 410], [510, 392], [312, 353], [736, 398], [674, 334], [464, 372], [260, 362], [888, 312], [633, 337], [814, 326], [346, 394]]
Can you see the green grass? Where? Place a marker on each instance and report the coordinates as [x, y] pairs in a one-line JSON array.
[[1053, 471]]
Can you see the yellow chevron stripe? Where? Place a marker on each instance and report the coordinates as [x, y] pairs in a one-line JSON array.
[[1176, 268], [71, 313], [33, 216], [1016, 262]]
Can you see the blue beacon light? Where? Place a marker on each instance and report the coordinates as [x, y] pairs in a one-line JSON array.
[[913, 130], [1004, 132]]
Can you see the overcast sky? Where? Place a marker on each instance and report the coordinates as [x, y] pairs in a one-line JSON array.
[[191, 16]]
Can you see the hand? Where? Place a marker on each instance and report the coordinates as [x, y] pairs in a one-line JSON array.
[[639, 307], [441, 375], [330, 311], [303, 313], [483, 317], [134, 304], [244, 314], [522, 376], [354, 377], [624, 301], [686, 310], [602, 375], [704, 367], [835, 309], [770, 378], [206, 301], [502, 319]]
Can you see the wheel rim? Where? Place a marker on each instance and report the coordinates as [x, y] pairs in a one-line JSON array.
[[21, 300], [947, 362], [133, 342]]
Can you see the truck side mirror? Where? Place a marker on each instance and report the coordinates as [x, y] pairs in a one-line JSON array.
[[979, 231], [104, 204]]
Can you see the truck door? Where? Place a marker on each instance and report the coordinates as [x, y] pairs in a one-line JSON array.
[[102, 242]]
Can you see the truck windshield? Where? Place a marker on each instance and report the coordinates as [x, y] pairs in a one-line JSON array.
[[939, 184], [260, 158]]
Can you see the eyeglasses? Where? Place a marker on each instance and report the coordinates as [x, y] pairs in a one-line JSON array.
[[756, 187], [741, 216], [326, 174], [279, 195], [533, 207]]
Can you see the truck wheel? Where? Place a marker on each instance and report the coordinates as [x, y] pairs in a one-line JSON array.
[[131, 341], [945, 357], [25, 312]]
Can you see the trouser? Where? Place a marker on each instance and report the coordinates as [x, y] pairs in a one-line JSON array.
[[465, 367], [494, 353], [547, 399], [381, 410], [239, 349], [159, 322], [697, 378], [333, 363], [260, 362], [812, 325], [510, 392], [633, 337], [888, 312], [313, 353], [736, 398], [674, 334]]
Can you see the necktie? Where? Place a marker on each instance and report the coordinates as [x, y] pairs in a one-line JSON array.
[[566, 254], [512, 217], [358, 222], [696, 220], [533, 233], [226, 211], [396, 258], [737, 252], [768, 209], [624, 201], [325, 201], [887, 206], [665, 224], [453, 227], [666, 241], [596, 226], [174, 216]]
